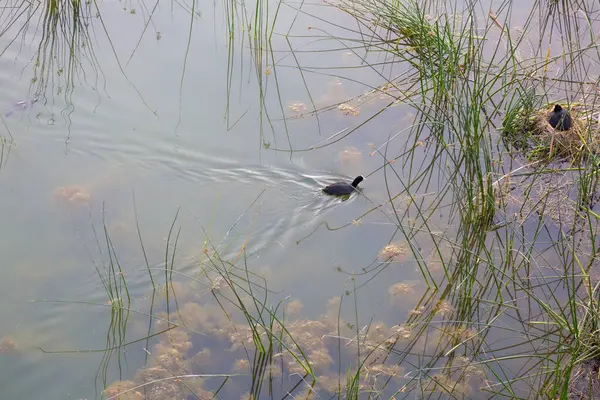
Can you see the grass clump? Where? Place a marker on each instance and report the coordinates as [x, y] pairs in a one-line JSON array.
[[413, 31], [578, 366], [519, 118]]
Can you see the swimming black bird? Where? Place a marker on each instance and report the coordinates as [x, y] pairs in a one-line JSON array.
[[560, 119], [343, 188]]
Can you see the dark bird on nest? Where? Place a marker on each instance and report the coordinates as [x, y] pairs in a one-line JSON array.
[[560, 119]]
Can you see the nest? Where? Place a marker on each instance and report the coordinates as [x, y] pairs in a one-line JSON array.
[[573, 145], [584, 383]]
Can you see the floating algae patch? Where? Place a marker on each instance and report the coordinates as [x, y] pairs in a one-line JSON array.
[[7, 344], [73, 193], [394, 252], [166, 376], [528, 129], [350, 155]]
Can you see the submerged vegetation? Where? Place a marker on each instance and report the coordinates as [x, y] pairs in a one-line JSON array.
[[517, 260]]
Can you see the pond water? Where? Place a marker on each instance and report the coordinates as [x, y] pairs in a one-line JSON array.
[[162, 124]]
